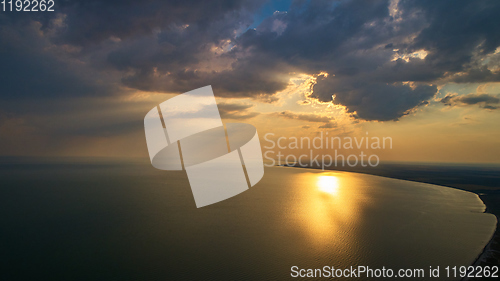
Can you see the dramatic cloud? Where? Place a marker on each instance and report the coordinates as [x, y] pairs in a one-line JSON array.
[[382, 58], [90, 22], [372, 49], [483, 100], [377, 101], [481, 74], [456, 31], [32, 67], [236, 111]]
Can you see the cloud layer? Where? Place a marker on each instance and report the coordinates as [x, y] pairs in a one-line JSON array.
[[483, 100], [381, 59]]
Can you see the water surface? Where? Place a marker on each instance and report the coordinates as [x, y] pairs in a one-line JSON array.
[[128, 221]]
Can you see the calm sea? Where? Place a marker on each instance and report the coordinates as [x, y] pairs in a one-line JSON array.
[[98, 220]]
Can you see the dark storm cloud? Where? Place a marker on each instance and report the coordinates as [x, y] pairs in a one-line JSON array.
[[384, 58], [55, 54], [169, 60], [31, 68], [92, 21], [483, 100], [456, 30], [318, 30], [246, 78], [371, 100], [366, 49]]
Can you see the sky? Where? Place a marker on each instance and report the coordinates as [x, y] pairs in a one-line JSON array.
[[78, 81]]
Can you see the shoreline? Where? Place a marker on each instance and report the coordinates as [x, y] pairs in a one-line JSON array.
[[487, 253], [488, 256]]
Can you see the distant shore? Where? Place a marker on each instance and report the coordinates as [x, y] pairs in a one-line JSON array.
[[483, 180]]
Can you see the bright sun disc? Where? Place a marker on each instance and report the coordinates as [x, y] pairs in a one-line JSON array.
[[328, 184]]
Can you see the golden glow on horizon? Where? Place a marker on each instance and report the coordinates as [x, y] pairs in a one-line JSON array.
[[328, 184]]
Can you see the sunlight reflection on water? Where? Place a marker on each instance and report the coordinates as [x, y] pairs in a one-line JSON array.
[[329, 207], [328, 184]]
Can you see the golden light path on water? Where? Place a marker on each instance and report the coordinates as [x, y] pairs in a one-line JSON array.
[[330, 207]]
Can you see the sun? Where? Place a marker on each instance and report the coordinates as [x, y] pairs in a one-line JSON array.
[[328, 184]]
